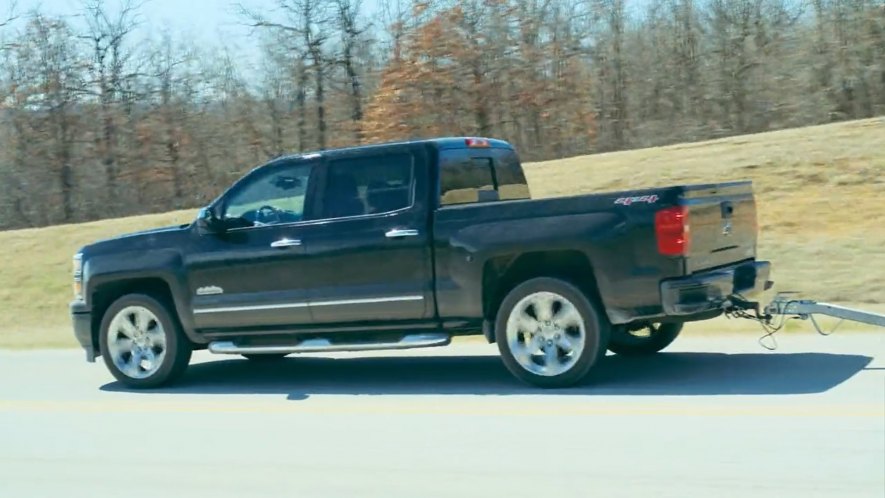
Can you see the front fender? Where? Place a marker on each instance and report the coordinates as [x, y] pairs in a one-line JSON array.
[[127, 270]]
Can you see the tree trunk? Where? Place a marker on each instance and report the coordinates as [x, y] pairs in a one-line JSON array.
[[301, 105], [320, 79], [356, 92]]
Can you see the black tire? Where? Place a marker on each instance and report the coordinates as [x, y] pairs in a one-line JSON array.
[[661, 335], [177, 346], [265, 358], [596, 328]]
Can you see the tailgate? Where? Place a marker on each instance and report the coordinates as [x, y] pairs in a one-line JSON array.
[[722, 221]]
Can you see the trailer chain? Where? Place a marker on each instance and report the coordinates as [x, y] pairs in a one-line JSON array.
[[736, 307], [821, 331]]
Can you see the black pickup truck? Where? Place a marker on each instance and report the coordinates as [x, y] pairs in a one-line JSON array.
[[406, 245]]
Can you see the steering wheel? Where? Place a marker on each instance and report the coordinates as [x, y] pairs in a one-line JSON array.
[[267, 214]]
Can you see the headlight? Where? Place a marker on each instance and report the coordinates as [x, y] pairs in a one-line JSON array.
[[78, 276]]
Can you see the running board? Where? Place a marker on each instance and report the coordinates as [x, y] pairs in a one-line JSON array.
[[322, 345]]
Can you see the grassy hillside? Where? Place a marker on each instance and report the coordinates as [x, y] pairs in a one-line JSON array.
[[821, 195]]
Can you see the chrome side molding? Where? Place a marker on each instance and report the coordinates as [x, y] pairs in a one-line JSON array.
[[284, 243], [397, 233], [262, 307], [323, 345]]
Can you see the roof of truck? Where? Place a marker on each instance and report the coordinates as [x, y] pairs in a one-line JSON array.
[[440, 143]]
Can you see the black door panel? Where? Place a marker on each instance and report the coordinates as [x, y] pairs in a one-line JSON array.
[[253, 274], [363, 275], [370, 258], [240, 280]]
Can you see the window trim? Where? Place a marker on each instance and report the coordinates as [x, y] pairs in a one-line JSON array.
[[494, 163], [309, 194], [472, 155], [325, 178]]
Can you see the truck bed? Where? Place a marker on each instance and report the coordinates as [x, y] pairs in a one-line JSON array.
[[616, 231]]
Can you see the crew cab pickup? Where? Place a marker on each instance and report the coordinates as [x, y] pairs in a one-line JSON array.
[[406, 245]]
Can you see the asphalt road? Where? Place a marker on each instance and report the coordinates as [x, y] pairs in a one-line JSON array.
[[712, 417]]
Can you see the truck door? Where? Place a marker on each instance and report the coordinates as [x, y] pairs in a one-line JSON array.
[[252, 274], [370, 256]]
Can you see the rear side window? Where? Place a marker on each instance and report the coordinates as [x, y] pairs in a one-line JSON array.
[[511, 180], [367, 185], [471, 176]]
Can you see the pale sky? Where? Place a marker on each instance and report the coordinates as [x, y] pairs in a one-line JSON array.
[[206, 20], [203, 21]]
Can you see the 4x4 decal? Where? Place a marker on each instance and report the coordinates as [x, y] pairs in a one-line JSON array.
[[626, 201]]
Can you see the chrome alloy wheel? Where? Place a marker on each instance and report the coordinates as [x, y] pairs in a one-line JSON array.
[[546, 333], [136, 342]]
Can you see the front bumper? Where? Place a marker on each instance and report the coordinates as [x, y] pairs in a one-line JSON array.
[[81, 316], [708, 290]]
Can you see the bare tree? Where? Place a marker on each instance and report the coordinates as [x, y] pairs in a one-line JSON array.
[[49, 66], [612, 71], [306, 21], [348, 22], [98, 120], [9, 16], [166, 62], [107, 35], [275, 93]]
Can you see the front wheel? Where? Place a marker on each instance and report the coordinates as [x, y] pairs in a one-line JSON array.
[[647, 340], [142, 344], [549, 334]]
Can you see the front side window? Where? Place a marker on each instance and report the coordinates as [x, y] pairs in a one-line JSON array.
[[367, 185], [270, 197]]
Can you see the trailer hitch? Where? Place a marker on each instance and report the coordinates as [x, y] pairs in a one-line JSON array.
[[784, 307]]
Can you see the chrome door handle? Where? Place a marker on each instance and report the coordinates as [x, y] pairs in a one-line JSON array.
[[283, 243], [401, 232]]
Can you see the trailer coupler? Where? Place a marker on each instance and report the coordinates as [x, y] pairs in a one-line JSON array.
[[774, 316]]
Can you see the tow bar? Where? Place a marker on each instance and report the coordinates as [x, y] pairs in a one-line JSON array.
[[783, 307]]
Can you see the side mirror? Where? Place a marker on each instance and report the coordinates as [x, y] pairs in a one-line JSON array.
[[208, 222]]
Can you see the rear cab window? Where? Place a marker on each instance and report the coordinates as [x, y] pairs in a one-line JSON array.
[[469, 176]]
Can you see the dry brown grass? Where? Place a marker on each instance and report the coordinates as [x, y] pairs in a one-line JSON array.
[[821, 195], [35, 277]]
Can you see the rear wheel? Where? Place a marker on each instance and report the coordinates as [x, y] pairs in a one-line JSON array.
[[141, 343], [647, 340], [549, 334]]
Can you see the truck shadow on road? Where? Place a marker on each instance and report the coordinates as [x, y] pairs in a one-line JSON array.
[[673, 374]]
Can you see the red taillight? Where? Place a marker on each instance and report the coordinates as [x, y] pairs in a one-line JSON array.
[[671, 229], [477, 142]]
